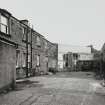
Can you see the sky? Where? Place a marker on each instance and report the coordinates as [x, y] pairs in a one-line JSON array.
[[72, 22]]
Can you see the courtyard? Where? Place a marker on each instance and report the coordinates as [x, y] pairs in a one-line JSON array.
[[64, 88]]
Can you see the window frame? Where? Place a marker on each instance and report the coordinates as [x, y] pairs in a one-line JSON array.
[[38, 60], [17, 58], [38, 41], [46, 44], [2, 24], [23, 32], [24, 60]]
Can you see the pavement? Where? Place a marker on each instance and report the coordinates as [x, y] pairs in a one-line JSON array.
[[66, 88]]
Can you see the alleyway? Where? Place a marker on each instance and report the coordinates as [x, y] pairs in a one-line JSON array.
[[78, 88]]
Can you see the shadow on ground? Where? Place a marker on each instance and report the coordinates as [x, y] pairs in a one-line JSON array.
[[84, 75], [27, 84]]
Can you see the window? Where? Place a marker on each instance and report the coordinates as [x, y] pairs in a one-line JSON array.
[[38, 41], [45, 45], [17, 58], [38, 60], [23, 30], [24, 59], [4, 24], [24, 33]]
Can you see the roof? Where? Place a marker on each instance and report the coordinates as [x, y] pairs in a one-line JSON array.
[[73, 49]]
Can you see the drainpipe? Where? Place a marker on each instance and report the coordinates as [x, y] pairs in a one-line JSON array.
[[31, 54], [27, 52]]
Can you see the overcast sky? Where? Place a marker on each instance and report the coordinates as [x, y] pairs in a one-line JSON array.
[[73, 22]]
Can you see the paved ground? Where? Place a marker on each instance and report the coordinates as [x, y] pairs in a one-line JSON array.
[[79, 88]]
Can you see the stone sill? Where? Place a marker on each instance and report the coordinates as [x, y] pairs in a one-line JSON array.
[[5, 35]]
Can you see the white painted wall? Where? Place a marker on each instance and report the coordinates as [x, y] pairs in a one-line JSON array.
[[85, 56]]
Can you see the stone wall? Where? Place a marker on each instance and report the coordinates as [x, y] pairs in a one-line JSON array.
[[53, 56], [7, 64]]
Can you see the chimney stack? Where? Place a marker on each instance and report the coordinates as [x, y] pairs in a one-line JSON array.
[[25, 22]]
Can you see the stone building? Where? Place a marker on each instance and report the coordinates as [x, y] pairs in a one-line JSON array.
[[101, 60], [23, 51], [69, 61], [76, 50], [52, 56], [76, 61], [7, 52]]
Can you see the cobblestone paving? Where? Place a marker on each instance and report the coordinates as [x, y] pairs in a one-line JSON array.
[[57, 90]]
